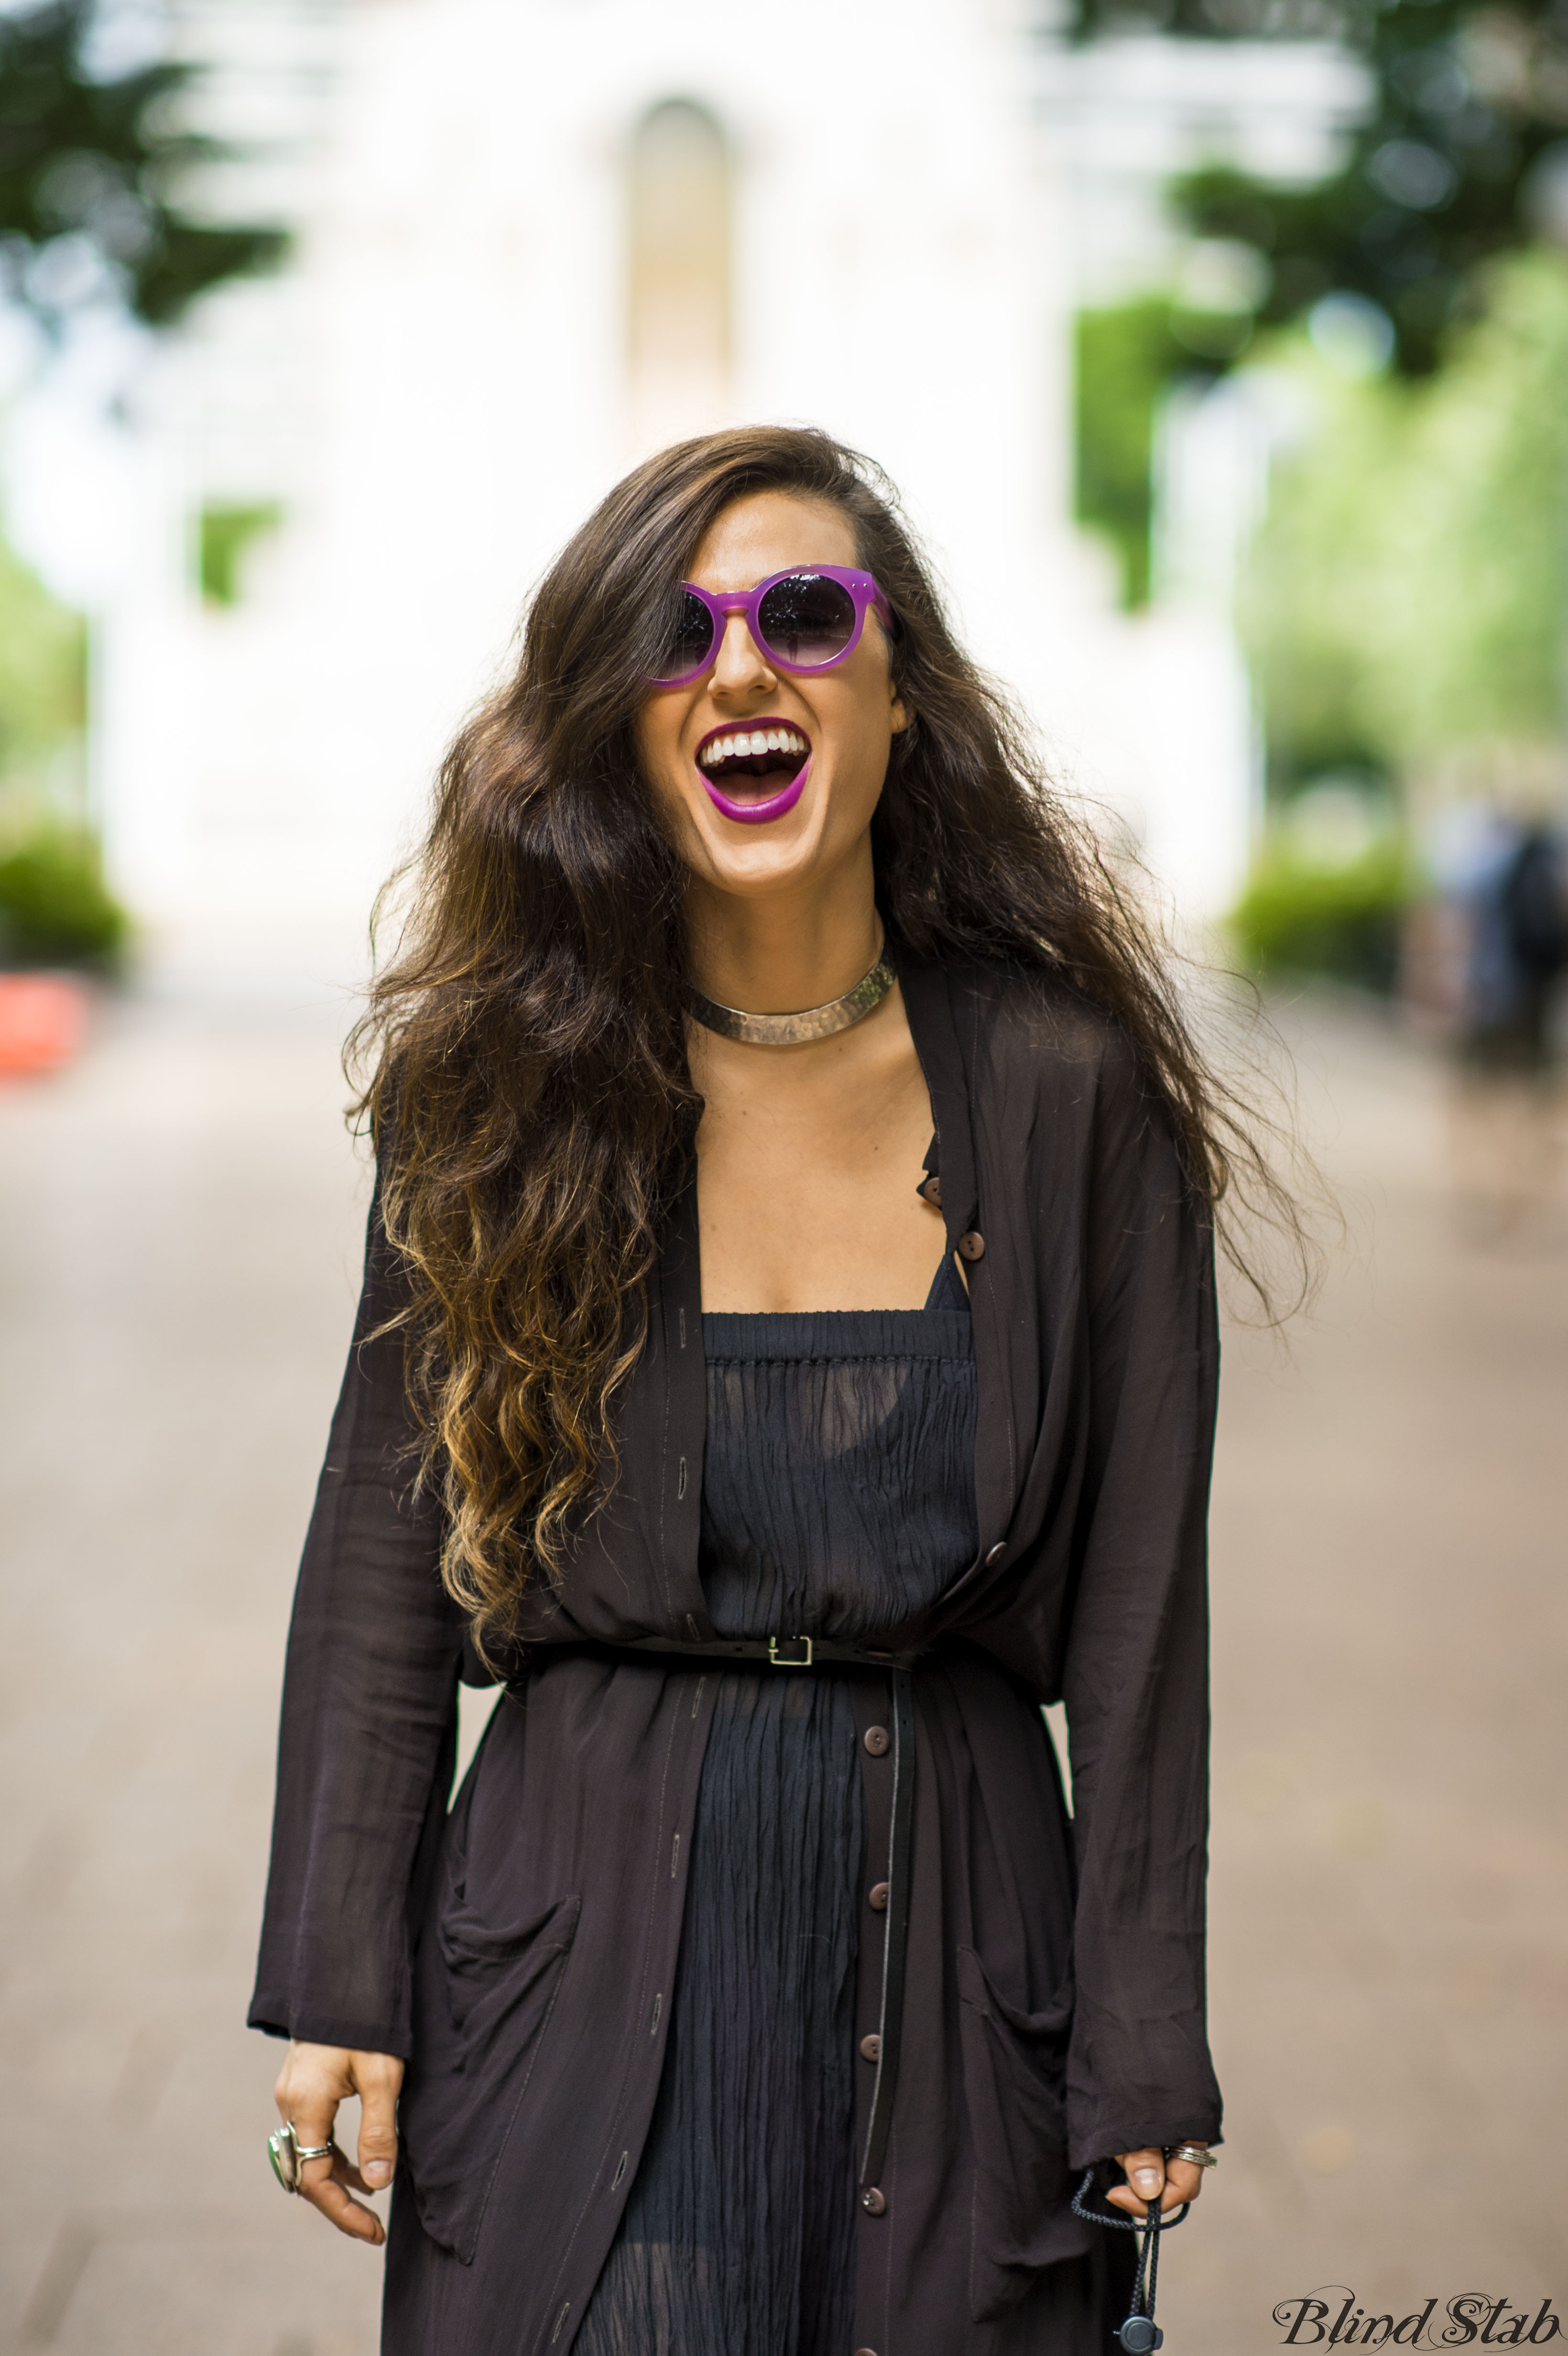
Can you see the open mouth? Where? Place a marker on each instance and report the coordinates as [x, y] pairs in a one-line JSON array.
[[755, 772]]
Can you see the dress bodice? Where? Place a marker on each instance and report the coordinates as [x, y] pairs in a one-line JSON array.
[[838, 1500], [838, 1492]]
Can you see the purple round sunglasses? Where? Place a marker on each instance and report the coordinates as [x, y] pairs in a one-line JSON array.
[[807, 619]]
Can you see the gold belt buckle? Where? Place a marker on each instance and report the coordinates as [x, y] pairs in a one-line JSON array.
[[799, 1659]]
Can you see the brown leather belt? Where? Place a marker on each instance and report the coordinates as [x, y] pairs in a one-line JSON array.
[[810, 1652]]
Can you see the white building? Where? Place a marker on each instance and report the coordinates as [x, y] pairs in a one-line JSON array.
[[536, 238]]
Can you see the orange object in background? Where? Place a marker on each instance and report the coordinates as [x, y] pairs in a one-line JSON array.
[[43, 1022]]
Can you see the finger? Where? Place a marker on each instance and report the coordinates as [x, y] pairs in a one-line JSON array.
[[295, 2086], [310, 2075], [378, 2080], [1122, 2197], [313, 2113], [344, 2172], [319, 2186], [308, 2099], [1146, 2180], [1183, 2181]]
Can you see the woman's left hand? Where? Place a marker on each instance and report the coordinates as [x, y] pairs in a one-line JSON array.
[[1150, 2174]]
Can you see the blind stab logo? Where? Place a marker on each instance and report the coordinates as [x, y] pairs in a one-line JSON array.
[[1472, 2316]]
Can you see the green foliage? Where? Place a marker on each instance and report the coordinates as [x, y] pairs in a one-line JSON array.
[[43, 673], [1408, 595], [1463, 156], [1127, 357], [1473, 535], [54, 908], [90, 170], [1299, 915], [223, 536], [1309, 600], [1123, 362]]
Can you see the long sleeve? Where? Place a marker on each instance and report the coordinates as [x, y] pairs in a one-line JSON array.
[[1136, 1664], [368, 1719]]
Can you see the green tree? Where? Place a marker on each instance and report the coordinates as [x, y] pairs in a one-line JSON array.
[[1463, 156], [1473, 537], [94, 168], [43, 676], [1408, 595], [90, 173], [54, 908], [1126, 357]]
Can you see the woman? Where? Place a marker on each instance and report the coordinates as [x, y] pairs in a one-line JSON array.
[[785, 1406]]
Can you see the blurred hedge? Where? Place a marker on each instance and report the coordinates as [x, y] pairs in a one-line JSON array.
[[43, 673], [1299, 916], [55, 908]]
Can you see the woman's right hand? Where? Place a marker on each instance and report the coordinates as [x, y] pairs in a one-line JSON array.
[[312, 2082]]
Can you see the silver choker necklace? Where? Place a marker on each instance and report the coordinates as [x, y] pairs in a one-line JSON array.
[[812, 1023]]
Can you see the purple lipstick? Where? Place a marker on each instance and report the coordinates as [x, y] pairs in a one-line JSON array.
[[773, 753]]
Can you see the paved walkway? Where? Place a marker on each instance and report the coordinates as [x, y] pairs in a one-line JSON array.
[[179, 1228]]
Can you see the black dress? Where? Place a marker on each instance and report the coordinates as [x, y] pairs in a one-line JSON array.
[[521, 1949], [838, 1500]]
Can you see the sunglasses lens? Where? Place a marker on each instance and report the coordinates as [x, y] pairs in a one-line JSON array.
[[807, 619], [688, 640]]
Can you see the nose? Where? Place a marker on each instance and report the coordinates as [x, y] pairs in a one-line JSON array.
[[742, 668]]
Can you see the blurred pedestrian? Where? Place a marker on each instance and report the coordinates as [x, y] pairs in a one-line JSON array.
[[785, 1406], [1490, 959]]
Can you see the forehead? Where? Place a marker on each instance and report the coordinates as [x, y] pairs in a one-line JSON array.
[[769, 532]]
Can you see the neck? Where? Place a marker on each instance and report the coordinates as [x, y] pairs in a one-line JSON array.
[[783, 953]]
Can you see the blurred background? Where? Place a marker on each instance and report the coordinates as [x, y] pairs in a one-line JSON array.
[[1220, 352]]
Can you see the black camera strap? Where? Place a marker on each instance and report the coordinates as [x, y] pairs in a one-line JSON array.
[[1139, 2335]]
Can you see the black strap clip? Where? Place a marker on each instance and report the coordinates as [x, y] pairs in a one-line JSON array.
[[1140, 2335]]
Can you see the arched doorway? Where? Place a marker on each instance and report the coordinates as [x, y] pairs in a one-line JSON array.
[[678, 280]]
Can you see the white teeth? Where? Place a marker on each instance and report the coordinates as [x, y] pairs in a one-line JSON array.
[[753, 741]]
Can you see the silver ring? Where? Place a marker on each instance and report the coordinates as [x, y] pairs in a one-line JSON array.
[[287, 2154], [1196, 2155]]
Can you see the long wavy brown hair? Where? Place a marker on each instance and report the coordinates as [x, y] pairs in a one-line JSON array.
[[530, 1100]]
